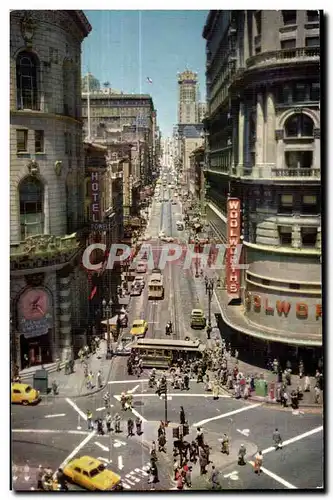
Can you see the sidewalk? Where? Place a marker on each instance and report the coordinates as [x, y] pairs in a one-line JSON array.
[[246, 368], [74, 385]]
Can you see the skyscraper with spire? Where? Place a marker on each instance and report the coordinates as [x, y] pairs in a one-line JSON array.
[[187, 97]]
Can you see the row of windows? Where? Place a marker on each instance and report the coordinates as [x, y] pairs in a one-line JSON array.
[[309, 204], [308, 236], [310, 41], [298, 92], [291, 286], [39, 140], [289, 18]]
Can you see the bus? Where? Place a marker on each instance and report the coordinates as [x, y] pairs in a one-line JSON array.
[[155, 287], [160, 353]]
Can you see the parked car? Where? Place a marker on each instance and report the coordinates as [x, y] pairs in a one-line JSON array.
[[141, 267], [139, 280], [136, 290]]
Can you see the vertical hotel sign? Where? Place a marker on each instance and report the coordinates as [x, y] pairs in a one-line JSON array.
[[95, 201], [234, 234]]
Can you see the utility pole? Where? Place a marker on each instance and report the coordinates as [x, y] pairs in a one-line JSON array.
[[166, 405], [88, 106]]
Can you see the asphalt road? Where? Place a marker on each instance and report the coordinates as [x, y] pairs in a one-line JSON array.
[[49, 433]]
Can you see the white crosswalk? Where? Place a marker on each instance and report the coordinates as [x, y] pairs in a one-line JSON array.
[[134, 477]]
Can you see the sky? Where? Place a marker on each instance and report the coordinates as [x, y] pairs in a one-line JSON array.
[[126, 47]]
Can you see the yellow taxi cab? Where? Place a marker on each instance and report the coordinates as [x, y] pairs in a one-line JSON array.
[[91, 474], [198, 319], [24, 394], [139, 328]]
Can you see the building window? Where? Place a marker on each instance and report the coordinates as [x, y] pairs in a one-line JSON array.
[[31, 194], [288, 44], [309, 205], [315, 91], [289, 17], [285, 234], [299, 159], [39, 141], [309, 236], [312, 41], [312, 16], [286, 203], [21, 141], [300, 125], [27, 65]]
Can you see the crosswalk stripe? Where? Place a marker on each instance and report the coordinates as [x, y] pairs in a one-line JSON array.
[[129, 481], [141, 471], [132, 477], [125, 485]]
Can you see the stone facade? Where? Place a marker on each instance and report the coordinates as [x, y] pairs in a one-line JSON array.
[[264, 148], [46, 150]]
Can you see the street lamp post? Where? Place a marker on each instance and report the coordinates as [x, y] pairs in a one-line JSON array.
[[107, 308], [210, 289]]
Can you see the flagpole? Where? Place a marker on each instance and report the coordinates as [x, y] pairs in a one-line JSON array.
[[88, 106]]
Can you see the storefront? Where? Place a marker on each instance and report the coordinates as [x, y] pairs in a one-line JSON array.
[[35, 326]]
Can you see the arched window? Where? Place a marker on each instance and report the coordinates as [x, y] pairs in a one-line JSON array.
[[31, 193], [299, 125], [27, 65]]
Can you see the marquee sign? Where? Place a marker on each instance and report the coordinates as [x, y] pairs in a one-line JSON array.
[[234, 233], [95, 201]]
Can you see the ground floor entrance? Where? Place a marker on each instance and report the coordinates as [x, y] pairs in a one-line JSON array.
[[36, 350]]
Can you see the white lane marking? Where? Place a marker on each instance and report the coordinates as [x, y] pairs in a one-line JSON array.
[[120, 462], [137, 414], [127, 486], [118, 443], [77, 409], [100, 409], [77, 449], [141, 471], [134, 389], [233, 473], [294, 439], [152, 394], [245, 408], [104, 448], [276, 478], [146, 467], [111, 382], [104, 460], [50, 431], [132, 477], [130, 482], [245, 432], [56, 415]]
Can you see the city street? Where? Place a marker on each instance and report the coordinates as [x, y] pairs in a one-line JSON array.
[[56, 429]]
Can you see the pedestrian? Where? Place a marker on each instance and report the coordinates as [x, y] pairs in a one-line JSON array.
[[200, 438], [188, 476], [317, 394], [100, 430], [58, 365], [186, 382], [39, 478], [99, 379], [130, 426], [203, 461], [277, 439], [241, 455], [236, 354], [55, 387], [89, 420], [180, 480], [90, 380], [175, 468], [153, 455], [182, 416], [117, 422], [287, 375], [215, 478], [138, 423], [162, 443], [307, 384], [301, 369], [108, 420], [258, 463]]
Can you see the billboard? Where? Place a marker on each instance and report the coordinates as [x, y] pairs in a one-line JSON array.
[[234, 239]]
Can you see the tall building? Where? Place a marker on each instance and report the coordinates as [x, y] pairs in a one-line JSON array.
[[202, 107], [48, 287], [113, 113], [187, 97], [263, 121]]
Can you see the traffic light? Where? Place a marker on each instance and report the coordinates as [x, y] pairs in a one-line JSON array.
[[175, 433], [163, 388]]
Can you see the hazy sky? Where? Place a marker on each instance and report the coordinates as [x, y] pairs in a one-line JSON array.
[[126, 47]]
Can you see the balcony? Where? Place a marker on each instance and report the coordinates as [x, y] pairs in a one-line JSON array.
[[277, 57], [270, 172], [43, 251], [313, 173]]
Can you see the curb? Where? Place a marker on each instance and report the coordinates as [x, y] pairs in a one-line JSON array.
[[85, 394], [269, 401]]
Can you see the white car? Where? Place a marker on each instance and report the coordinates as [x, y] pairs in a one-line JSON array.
[[141, 267], [136, 290]]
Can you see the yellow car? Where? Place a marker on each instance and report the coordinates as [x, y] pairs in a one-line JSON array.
[[139, 328], [91, 474], [24, 394], [198, 319]]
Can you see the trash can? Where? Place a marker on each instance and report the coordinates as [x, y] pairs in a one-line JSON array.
[[41, 381], [261, 388]]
